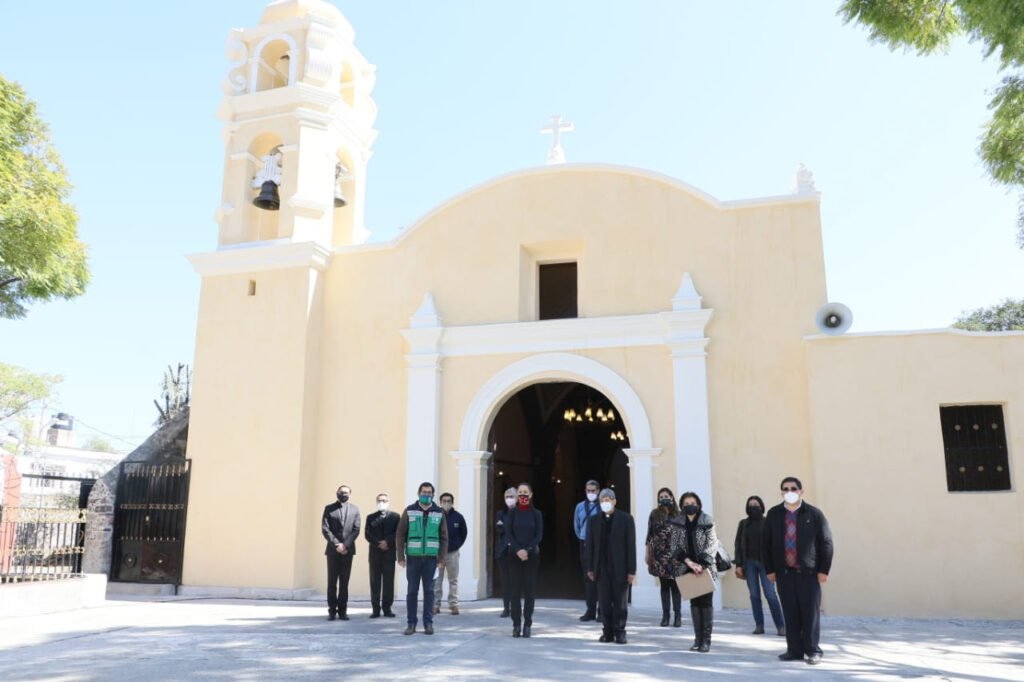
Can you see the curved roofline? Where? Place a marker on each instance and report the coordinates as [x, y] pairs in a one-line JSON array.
[[732, 205]]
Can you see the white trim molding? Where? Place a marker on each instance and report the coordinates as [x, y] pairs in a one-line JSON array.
[[249, 257], [642, 464], [423, 395], [472, 472]]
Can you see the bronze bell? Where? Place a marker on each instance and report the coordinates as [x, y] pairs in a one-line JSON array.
[[339, 197], [268, 198]]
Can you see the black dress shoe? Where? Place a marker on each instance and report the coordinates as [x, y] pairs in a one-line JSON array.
[[331, 616], [759, 630], [409, 630], [516, 632], [526, 631], [587, 617], [813, 659], [388, 613], [504, 614], [428, 629], [605, 638], [375, 614], [342, 616], [789, 656], [620, 637]]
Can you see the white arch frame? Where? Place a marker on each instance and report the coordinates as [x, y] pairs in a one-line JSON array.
[[553, 367], [254, 60]]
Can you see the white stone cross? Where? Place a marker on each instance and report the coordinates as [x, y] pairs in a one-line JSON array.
[[556, 154]]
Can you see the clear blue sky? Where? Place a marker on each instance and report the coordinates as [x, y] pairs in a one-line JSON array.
[[728, 97]]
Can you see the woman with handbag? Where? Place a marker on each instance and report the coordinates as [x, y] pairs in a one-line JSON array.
[[661, 560], [524, 527], [501, 549], [695, 543]]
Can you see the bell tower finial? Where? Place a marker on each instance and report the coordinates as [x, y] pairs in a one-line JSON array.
[[298, 124]]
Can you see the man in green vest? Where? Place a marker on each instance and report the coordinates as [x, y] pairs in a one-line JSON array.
[[422, 546]]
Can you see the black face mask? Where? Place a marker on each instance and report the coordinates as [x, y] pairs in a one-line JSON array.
[[690, 509], [665, 503], [754, 511], [342, 497]]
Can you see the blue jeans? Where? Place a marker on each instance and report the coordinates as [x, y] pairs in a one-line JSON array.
[[756, 579], [420, 569]]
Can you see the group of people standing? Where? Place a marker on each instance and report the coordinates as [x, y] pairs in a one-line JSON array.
[[789, 546]]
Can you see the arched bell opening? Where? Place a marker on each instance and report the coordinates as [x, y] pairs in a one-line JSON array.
[[344, 192], [273, 66], [263, 188]]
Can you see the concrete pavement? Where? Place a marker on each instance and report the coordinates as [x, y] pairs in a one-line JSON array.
[[141, 639]]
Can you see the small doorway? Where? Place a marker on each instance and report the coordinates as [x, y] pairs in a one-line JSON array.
[[556, 436]]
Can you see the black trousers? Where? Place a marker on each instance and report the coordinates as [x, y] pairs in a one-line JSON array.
[[612, 596], [382, 579], [800, 594], [522, 578], [589, 586], [339, 568], [506, 587]]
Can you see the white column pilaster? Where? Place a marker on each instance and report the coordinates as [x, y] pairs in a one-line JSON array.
[[423, 396], [472, 472], [641, 464]]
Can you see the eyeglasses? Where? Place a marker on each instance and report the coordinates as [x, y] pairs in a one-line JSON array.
[[791, 490]]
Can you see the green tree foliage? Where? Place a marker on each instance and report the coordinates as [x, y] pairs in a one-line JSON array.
[[175, 393], [1005, 317], [40, 255], [928, 26], [21, 390]]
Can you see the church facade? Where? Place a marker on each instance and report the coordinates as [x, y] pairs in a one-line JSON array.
[[557, 324]]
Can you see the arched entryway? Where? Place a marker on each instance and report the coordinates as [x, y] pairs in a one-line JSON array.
[[557, 435]]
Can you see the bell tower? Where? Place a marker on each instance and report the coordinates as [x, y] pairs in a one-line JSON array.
[[298, 127]]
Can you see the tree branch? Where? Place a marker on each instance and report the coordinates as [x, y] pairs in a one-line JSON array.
[[12, 280]]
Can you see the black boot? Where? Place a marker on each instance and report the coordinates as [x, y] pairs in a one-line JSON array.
[[707, 621], [698, 631], [678, 620], [664, 618], [677, 602], [664, 606]]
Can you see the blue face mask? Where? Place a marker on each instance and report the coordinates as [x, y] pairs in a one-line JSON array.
[[425, 499]]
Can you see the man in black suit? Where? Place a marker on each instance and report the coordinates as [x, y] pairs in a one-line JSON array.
[[611, 563], [340, 526], [797, 555], [380, 533]]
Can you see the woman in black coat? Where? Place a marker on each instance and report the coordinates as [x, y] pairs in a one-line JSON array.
[[524, 528], [749, 566], [661, 560], [695, 542]]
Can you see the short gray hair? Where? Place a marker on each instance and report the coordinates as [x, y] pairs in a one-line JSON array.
[[607, 494], [592, 482], [510, 492]]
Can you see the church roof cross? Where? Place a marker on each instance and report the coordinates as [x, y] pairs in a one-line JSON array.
[[556, 154]]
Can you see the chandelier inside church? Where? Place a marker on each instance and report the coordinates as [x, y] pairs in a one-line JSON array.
[[597, 416]]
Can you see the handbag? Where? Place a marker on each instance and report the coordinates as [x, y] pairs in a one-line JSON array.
[[722, 561]]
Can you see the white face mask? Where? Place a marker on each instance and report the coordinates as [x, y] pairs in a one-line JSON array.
[[791, 497], [606, 507], [382, 506], [591, 497], [510, 502]]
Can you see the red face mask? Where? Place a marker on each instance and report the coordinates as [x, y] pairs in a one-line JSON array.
[[524, 501]]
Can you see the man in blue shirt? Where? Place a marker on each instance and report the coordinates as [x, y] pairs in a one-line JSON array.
[[457, 531], [586, 510]]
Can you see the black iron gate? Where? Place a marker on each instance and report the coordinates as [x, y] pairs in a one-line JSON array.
[[149, 522]]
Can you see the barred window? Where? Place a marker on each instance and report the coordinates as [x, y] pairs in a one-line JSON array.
[[974, 437]]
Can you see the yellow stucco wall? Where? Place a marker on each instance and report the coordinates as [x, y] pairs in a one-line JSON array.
[[634, 234], [905, 545]]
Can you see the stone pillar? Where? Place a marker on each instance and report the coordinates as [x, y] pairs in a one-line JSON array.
[[641, 463], [472, 499], [423, 396]]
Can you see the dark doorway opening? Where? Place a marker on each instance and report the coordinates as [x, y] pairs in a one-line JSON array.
[[544, 435]]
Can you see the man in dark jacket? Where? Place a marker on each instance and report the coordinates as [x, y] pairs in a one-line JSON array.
[[380, 533], [456, 523], [611, 563], [797, 555], [340, 527]]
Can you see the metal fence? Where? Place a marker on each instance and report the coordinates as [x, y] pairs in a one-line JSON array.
[[41, 544]]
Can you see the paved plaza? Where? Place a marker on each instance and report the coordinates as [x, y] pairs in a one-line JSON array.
[[134, 638]]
